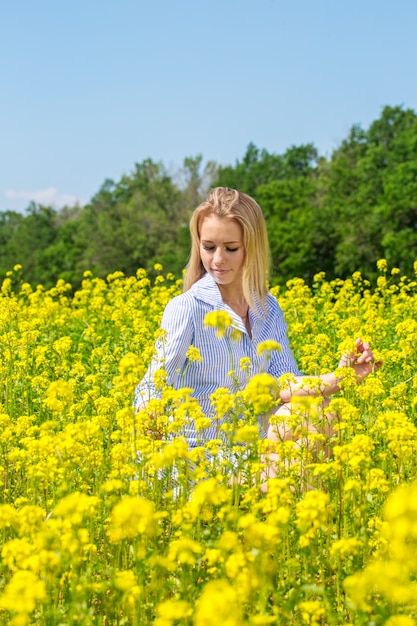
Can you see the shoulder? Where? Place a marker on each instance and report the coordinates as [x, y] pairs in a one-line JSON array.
[[271, 300], [181, 304], [272, 306], [204, 291], [202, 297], [190, 302]]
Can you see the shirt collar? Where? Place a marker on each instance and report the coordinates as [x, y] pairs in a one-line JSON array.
[[207, 291]]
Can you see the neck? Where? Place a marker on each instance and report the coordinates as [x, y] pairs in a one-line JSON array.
[[238, 305], [232, 297], [235, 299]]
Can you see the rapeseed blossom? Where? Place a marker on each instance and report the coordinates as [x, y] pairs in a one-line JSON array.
[[312, 516], [220, 320], [170, 611], [268, 346], [218, 604], [193, 354], [262, 392], [132, 517], [107, 514], [22, 595]]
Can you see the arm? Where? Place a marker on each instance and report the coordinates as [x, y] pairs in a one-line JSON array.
[[361, 361], [177, 322]]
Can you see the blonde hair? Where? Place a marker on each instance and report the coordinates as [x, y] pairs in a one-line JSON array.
[[234, 205]]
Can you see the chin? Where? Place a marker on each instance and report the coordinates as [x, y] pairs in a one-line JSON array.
[[222, 280]]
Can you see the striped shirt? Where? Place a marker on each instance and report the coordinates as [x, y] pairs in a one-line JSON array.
[[183, 321]]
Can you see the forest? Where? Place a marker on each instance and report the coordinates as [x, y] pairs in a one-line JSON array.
[[336, 214]]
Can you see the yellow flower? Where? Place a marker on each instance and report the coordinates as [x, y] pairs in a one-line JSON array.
[[62, 345], [313, 512], [249, 433], [400, 620], [312, 612], [268, 346], [346, 547], [29, 517], [378, 481], [172, 451], [184, 551], [76, 507], [223, 401], [23, 593], [221, 320], [17, 553], [193, 354], [8, 515], [218, 604], [207, 493], [245, 364], [129, 363], [382, 265], [357, 453], [235, 564], [125, 580], [171, 611], [59, 395], [160, 378], [262, 391], [131, 517]]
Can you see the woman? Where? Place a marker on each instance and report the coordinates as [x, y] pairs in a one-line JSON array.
[[227, 272]]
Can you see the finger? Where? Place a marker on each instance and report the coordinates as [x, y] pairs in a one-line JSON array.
[[364, 346], [365, 357]]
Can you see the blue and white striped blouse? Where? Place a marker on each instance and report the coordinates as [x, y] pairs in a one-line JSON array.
[[183, 321]]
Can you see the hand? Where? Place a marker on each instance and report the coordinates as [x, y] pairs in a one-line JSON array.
[[362, 360], [152, 431], [154, 434]]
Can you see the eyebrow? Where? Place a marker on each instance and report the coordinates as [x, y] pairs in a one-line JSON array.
[[225, 243]]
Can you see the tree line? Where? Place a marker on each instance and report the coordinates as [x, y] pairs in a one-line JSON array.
[[336, 214]]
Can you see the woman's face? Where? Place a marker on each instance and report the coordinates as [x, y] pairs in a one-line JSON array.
[[221, 249]]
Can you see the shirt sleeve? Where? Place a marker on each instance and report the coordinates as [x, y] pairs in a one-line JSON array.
[[283, 361], [178, 324]]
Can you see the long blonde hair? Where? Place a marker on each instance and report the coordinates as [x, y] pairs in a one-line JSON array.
[[235, 205]]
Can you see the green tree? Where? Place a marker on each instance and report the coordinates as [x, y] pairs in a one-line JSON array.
[[292, 216], [194, 181], [257, 168], [10, 222], [336, 215], [371, 193], [62, 255], [134, 223], [29, 236]]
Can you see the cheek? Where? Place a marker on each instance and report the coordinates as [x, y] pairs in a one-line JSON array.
[[204, 258], [241, 261]]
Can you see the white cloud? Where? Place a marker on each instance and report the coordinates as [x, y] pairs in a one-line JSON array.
[[48, 197]]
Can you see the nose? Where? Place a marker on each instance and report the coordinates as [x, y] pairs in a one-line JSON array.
[[218, 257]]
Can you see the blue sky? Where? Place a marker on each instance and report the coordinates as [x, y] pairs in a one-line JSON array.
[[91, 87]]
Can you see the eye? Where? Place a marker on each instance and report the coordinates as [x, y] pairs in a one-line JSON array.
[[208, 248], [232, 249]]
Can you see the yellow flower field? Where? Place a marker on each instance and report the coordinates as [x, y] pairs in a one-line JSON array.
[[107, 518]]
